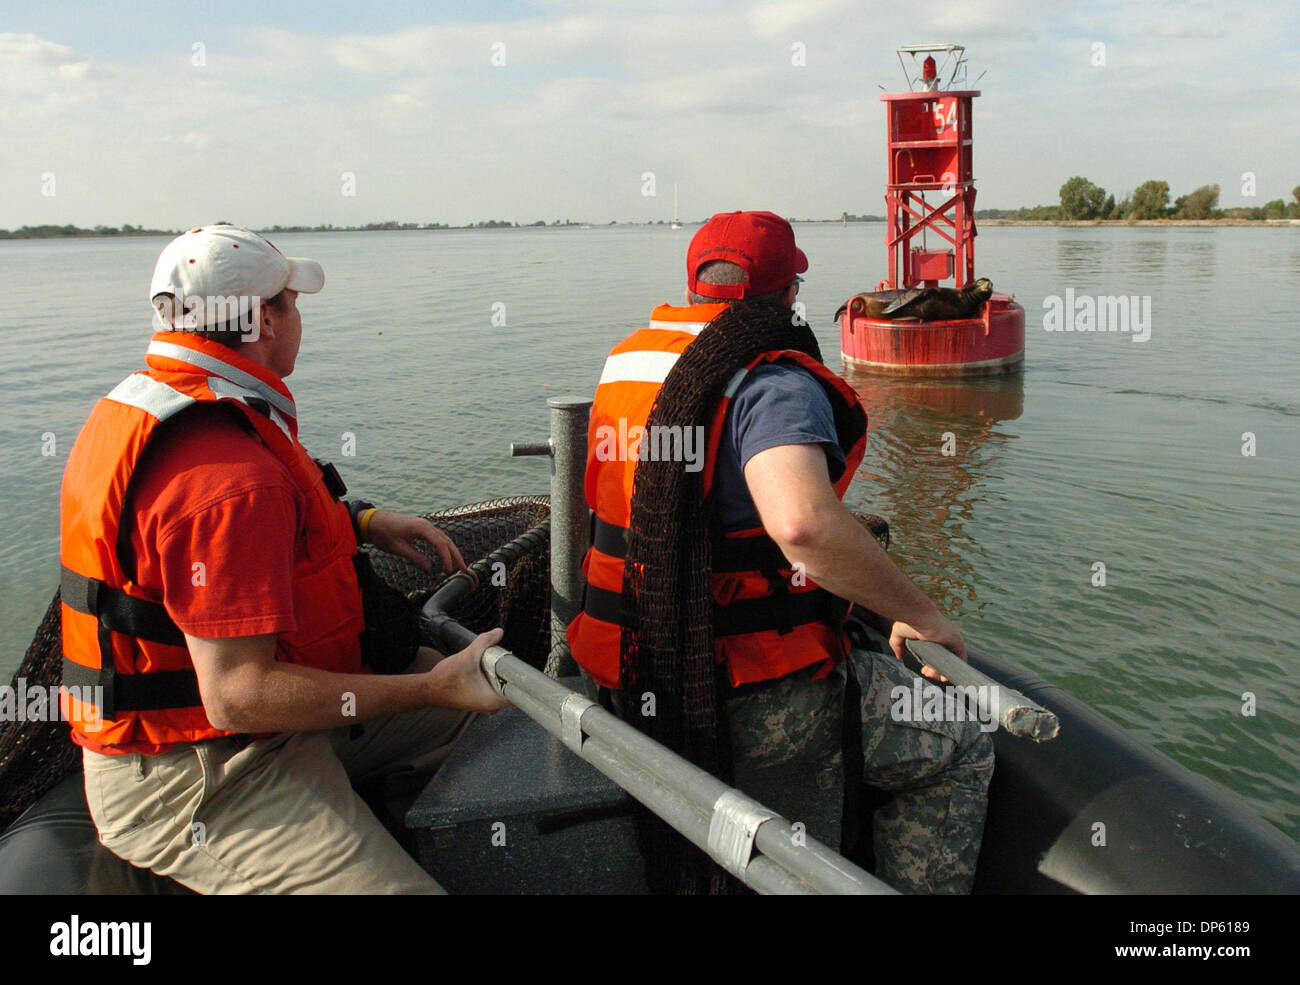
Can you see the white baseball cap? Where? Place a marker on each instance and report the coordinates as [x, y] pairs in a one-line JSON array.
[[224, 262]]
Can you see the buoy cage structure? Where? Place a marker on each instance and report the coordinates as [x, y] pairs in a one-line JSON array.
[[929, 142]]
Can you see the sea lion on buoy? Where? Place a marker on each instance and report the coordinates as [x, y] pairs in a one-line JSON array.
[[869, 304], [941, 303]]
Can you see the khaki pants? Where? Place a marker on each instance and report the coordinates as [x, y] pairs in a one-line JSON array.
[[274, 815]]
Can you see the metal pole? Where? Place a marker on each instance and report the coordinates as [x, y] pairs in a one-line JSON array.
[[570, 528], [1018, 715], [775, 859], [755, 844]]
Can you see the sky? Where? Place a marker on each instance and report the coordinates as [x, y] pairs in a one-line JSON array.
[[173, 114]]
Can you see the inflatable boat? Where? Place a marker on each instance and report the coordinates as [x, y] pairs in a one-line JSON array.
[[1093, 810]]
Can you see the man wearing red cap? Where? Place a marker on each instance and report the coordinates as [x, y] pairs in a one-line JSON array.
[[212, 606], [784, 436]]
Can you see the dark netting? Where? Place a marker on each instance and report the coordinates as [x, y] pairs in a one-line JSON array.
[[516, 599], [666, 646], [35, 756]]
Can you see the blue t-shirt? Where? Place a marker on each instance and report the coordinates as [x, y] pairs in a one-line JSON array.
[[777, 404]]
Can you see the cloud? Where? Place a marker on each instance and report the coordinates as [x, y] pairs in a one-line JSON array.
[[30, 64], [593, 94], [771, 20], [192, 140], [28, 50]]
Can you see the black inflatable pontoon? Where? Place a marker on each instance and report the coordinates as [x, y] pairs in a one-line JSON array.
[[1166, 830]]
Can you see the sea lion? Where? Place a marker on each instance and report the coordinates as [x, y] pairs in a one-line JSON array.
[[941, 303], [869, 304]]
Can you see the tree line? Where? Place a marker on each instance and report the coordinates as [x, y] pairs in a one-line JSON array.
[[51, 232], [1082, 199], [69, 231]]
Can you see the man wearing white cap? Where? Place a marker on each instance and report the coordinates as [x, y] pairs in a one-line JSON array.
[[211, 606]]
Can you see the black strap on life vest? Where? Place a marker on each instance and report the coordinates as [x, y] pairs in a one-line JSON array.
[[729, 553], [608, 538], [334, 483], [157, 691], [117, 612], [782, 611]]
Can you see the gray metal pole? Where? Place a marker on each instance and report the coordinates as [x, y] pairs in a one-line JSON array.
[[570, 530], [1018, 715], [775, 859]]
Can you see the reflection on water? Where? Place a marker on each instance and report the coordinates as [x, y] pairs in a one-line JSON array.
[[1146, 256], [1083, 257], [930, 446]]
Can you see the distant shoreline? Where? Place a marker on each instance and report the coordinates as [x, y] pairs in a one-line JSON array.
[[1174, 223], [79, 233]]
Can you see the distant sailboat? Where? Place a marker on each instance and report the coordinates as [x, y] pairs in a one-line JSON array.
[[677, 223]]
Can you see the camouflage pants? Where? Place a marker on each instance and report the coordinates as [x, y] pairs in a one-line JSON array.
[[927, 838]]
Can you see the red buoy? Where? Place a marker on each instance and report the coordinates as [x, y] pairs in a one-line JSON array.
[[909, 324]]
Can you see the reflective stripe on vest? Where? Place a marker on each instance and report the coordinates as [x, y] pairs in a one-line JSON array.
[[758, 637], [114, 635]]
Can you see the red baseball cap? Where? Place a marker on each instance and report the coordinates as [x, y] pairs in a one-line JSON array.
[[760, 243]]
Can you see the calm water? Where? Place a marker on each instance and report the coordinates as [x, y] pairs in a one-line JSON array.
[[1106, 450]]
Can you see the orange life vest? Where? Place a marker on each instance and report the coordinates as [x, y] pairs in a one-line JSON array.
[[116, 636], [766, 625]]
